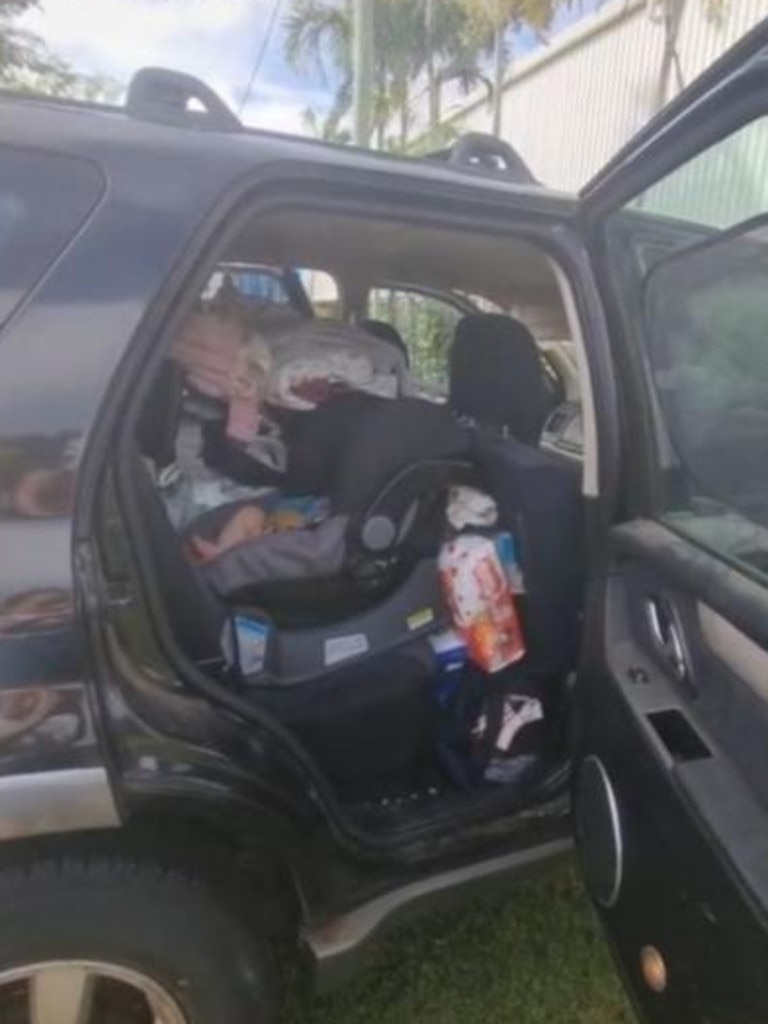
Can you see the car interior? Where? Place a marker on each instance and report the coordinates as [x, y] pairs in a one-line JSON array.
[[391, 568]]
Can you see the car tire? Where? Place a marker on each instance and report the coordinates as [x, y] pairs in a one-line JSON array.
[[163, 925]]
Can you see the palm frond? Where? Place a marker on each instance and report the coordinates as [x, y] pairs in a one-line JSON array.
[[318, 34]]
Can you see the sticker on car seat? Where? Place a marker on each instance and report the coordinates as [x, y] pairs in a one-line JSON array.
[[252, 642], [423, 617], [342, 648]]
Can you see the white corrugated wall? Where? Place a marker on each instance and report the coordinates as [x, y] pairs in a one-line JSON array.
[[569, 107]]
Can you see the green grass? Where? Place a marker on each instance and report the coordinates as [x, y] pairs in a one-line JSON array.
[[535, 958]]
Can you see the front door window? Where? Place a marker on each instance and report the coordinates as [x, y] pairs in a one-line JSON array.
[[692, 260]]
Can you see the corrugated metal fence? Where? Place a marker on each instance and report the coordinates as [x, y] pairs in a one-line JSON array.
[[570, 106]]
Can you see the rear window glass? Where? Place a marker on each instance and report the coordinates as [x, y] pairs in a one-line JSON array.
[[43, 200]]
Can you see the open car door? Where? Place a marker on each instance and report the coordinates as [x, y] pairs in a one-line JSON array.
[[671, 785]]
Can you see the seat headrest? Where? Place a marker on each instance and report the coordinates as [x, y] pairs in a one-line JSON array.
[[386, 332], [496, 376], [386, 438]]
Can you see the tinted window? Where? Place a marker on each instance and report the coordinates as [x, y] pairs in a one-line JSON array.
[[259, 284], [426, 323], [323, 292], [43, 200], [696, 285]]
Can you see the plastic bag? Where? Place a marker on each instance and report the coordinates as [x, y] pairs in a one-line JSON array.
[[469, 507]]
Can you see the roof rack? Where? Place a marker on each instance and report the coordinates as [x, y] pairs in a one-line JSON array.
[[482, 152], [167, 97]]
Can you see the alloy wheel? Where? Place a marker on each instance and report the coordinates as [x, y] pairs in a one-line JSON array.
[[84, 992]]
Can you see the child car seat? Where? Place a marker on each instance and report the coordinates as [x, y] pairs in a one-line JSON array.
[[385, 466], [200, 618], [385, 331], [497, 379]]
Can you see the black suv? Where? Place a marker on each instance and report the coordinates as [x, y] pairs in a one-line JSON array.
[[198, 769]]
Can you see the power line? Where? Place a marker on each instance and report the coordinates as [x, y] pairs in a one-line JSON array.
[[261, 54]]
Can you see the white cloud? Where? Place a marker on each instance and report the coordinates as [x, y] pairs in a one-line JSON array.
[[116, 36], [216, 40], [280, 108]]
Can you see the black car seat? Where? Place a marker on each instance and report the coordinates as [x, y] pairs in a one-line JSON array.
[[497, 384], [366, 719], [497, 379], [538, 495], [196, 616], [385, 466], [385, 331], [387, 580]]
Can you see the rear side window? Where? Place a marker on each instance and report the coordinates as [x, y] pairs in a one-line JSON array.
[[426, 323], [44, 198]]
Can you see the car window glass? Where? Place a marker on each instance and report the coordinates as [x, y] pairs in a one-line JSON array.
[[426, 323], [323, 292], [701, 305], [43, 200], [723, 186], [260, 284]]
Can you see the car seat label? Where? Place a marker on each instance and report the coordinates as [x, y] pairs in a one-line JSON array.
[[423, 617], [252, 642], [341, 648]]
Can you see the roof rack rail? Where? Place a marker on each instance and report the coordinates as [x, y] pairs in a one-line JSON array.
[[164, 96], [479, 151]]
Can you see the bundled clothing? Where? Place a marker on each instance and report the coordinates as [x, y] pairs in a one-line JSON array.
[[318, 360], [212, 350]]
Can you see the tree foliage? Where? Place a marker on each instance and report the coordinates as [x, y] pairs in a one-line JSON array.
[[413, 49], [26, 64], [490, 15], [669, 14], [420, 47]]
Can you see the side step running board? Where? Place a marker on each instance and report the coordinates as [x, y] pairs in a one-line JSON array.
[[338, 945]]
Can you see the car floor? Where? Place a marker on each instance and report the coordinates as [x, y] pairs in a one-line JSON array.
[[538, 958]]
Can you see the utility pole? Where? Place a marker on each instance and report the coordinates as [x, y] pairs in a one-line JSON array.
[[362, 64], [433, 85], [499, 67]]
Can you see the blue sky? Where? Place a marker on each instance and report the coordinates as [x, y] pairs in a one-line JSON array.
[[215, 39]]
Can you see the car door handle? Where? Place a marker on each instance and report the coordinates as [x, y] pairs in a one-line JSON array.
[[666, 636]]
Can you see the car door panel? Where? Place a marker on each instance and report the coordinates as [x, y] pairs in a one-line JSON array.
[[671, 780], [691, 875]]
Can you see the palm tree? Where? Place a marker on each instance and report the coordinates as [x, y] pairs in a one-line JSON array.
[[413, 40], [495, 22], [318, 35], [26, 65], [453, 50], [327, 128], [670, 14]]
